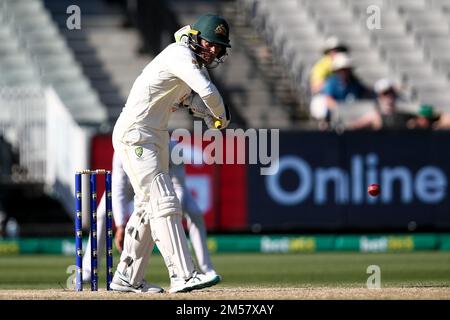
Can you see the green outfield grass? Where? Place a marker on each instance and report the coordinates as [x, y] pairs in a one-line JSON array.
[[265, 270]]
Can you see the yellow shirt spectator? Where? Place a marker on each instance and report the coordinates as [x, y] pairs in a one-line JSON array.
[[320, 72], [322, 69]]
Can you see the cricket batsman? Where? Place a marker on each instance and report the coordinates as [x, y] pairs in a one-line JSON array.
[[141, 140]]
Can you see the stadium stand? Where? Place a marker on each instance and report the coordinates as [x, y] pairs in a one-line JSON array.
[[401, 40], [107, 52], [52, 62], [94, 15], [411, 46], [33, 58]]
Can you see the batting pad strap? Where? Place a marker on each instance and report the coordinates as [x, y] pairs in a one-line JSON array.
[[166, 206], [163, 199]]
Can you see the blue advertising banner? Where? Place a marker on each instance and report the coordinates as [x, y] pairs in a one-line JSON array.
[[322, 181]]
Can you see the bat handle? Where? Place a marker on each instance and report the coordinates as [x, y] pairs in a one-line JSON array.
[[217, 124]]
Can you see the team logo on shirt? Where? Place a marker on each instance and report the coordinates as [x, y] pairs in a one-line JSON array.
[[220, 29], [139, 151]]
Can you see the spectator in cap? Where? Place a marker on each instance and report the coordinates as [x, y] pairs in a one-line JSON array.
[[425, 118], [322, 69], [343, 85], [386, 114]]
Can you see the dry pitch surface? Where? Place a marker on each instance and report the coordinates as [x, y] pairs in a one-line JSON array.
[[331, 276], [250, 293]]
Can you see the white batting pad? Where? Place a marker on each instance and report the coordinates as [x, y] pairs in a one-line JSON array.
[[167, 229], [138, 244]]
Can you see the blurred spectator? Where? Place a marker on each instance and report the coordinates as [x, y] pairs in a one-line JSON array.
[[343, 86], [322, 69], [386, 114], [425, 118]]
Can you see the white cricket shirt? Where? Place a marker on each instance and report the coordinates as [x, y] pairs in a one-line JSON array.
[[165, 82]]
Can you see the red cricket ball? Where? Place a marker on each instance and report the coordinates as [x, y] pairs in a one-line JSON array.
[[374, 189]]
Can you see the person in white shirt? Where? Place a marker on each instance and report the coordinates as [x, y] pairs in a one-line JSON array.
[[141, 141]]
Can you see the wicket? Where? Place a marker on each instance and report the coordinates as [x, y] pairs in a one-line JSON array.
[[93, 226]]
